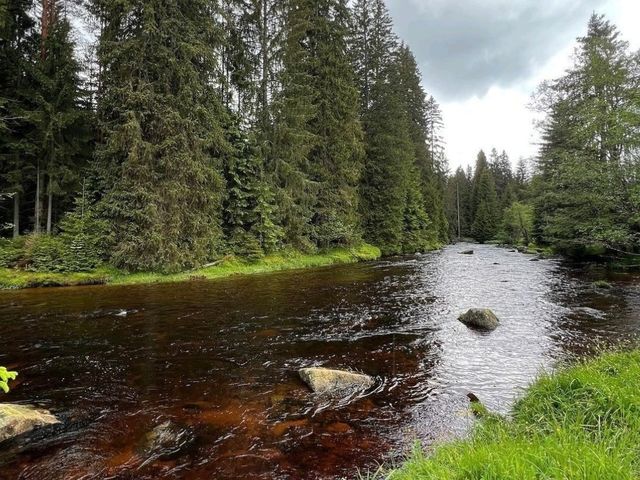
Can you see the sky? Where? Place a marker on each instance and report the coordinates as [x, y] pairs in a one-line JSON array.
[[483, 59]]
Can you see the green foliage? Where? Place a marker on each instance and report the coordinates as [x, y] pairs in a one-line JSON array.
[[582, 423], [517, 224], [11, 251], [588, 164], [162, 123], [5, 377]]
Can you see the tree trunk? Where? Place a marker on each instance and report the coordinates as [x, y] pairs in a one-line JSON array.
[[49, 207], [16, 215], [36, 227]]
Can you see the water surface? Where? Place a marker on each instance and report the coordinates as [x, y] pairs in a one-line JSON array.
[[220, 359]]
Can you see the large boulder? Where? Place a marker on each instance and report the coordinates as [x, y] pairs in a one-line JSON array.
[[18, 419], [480, 318], [324, 380]]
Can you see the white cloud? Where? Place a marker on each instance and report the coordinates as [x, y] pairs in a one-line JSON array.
[[500, 117]]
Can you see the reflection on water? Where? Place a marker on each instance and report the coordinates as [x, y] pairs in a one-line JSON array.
[[219, 359]]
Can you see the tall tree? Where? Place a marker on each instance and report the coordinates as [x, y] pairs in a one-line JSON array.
[[589, 160], [162, 123], [19, 47], [318, 128], [60, 116]]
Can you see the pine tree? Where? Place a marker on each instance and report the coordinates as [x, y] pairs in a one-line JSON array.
[[318, 136], [162, 124], [587, 168], [337, 156], [372, 45], [60, 115], [484, 207], [424, 122], [248, 207], [294, 108], [18, 51]]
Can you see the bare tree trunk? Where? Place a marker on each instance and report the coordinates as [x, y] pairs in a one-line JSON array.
[[16, 215], [49, 206], [36, 227]]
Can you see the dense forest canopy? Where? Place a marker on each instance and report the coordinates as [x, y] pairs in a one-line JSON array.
[[195, 129], [190, 130]]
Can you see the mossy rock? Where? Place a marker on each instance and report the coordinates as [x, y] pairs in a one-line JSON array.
[[19, 419]]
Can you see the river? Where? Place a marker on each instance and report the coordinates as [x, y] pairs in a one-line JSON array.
[[220, 360]]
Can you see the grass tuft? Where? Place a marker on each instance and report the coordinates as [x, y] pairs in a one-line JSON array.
[[582, 423]]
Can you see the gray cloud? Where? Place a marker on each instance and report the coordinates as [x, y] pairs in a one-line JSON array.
[[464, 47]]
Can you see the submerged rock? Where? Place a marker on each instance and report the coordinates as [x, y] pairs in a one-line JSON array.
[[324, 380], [167, 441], [467, 252], [18, 419], [480, 318]]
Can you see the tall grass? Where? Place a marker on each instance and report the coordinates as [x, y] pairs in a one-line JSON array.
[[582, 423]]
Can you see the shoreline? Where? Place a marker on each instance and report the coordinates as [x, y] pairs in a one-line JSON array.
[[580, 422], [15, 279]]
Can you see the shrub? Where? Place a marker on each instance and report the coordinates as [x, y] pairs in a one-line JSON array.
[[11, 252], [45, 253]]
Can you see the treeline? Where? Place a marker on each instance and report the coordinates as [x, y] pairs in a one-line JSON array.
[[489, 202], [198, 128], [582, 193]]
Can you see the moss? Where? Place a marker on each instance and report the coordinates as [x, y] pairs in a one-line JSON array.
[[581, 423], [229, 266]]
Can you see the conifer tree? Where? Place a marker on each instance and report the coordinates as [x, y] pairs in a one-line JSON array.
[[588, 162], [60, 115], [162, 124], [18, 51], [318, 145]]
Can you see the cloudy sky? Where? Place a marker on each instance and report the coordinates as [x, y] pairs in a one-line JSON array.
[[482, 59]]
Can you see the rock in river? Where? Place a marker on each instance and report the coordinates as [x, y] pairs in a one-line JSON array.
[[167, 440], [18, 419], [467, 252], [324, 380], [480, 318]]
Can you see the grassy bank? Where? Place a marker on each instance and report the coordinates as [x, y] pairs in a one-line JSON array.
[[289, 260], [582, 423]]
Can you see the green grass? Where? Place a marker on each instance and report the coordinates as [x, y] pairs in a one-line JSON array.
[[286, 260], [582, 423]]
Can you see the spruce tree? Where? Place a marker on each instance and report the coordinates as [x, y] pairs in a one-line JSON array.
[[337, 156], [60, 115], [485, 222], [318, 145], [161, 122], [587, 167], [19, 46]]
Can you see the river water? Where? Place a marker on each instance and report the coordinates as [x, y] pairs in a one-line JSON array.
[[219, 359]]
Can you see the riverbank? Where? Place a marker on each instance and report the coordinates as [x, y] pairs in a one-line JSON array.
[[583, 422], [229, 266]]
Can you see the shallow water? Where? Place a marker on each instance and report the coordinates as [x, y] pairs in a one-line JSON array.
[[220, 360]]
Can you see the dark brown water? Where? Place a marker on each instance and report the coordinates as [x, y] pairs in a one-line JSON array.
[[220, 360]]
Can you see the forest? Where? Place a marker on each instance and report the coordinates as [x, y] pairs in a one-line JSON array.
[[181, 132], [195, 129]]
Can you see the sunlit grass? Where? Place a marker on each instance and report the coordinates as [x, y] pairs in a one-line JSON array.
[[285, 260], [582, 423]]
